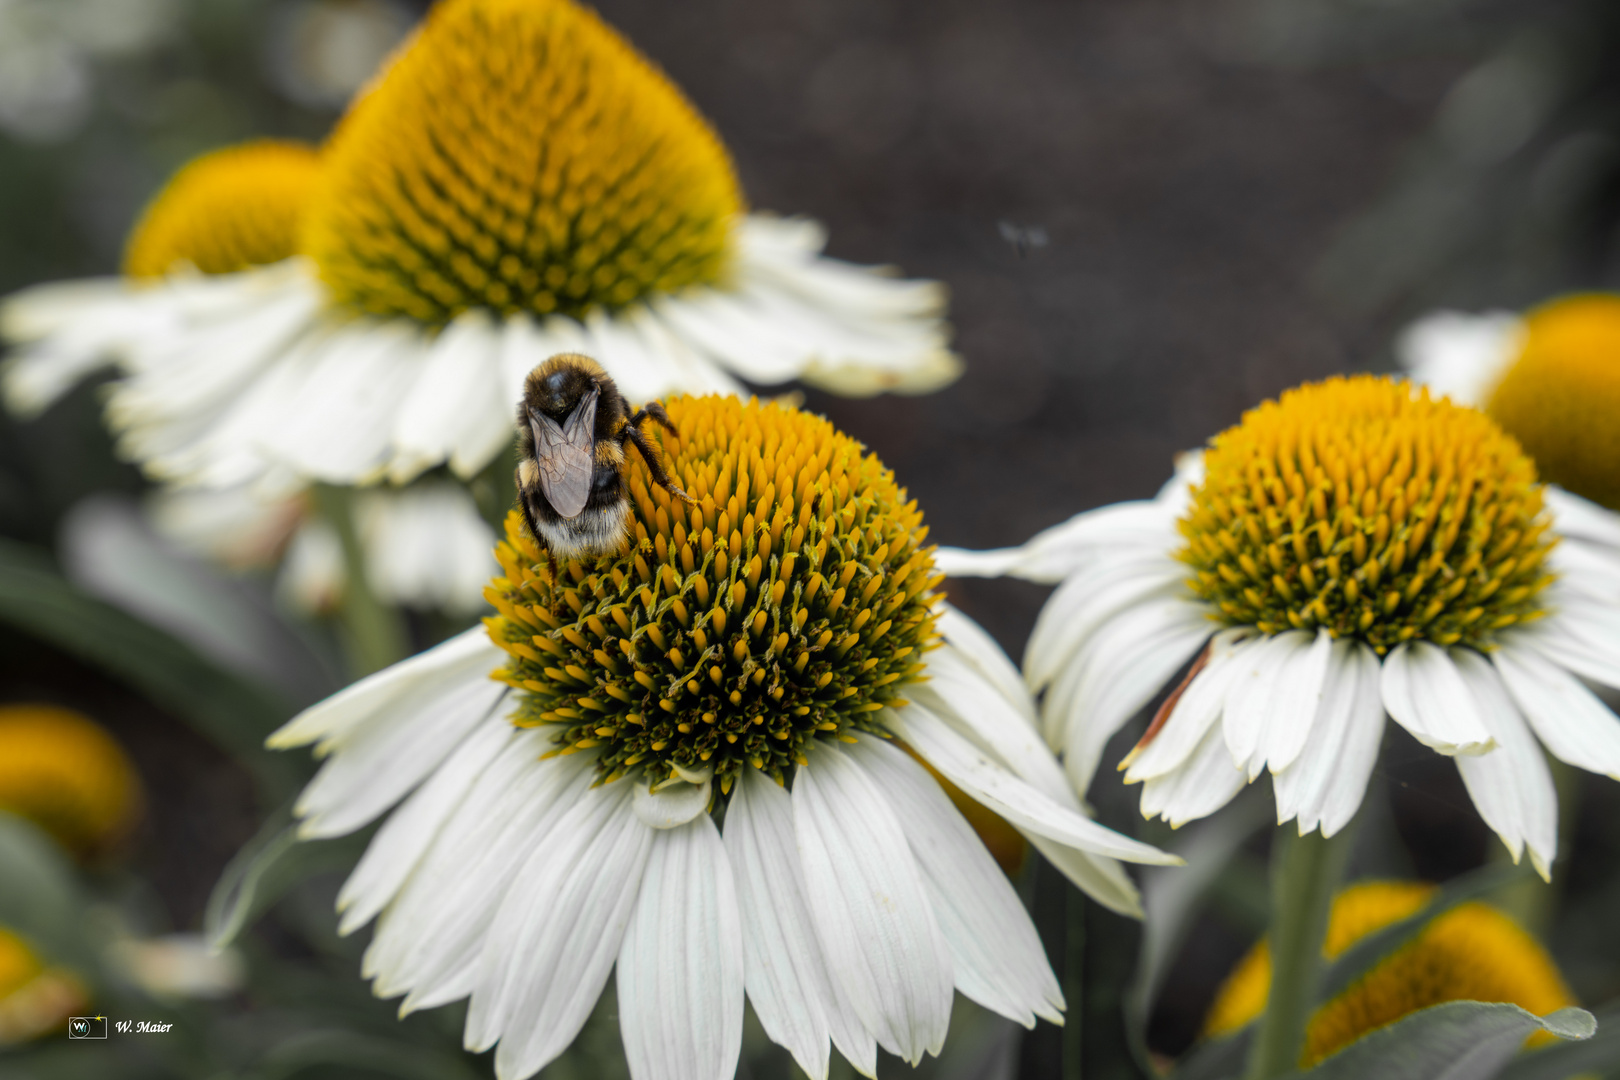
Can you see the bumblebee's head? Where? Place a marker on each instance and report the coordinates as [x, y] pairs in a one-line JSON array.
[[557, 386]]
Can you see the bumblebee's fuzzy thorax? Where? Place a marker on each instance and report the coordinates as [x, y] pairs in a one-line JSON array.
[[572, 427]]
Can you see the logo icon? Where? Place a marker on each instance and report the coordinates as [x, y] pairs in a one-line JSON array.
[[87, 1027]]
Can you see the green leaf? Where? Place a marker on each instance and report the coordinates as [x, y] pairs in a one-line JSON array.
[[40, 897], [1599, 1054], [233, 714], [1365, 954], [1460, 1040], [362, 1054], [266, 868]]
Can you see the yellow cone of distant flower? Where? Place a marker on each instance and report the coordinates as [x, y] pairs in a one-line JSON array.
[[1551, 378], [518, 181], [752, 656], [1471, 953], [1354, 550], [226, 211], [64, 772], [35, 999]]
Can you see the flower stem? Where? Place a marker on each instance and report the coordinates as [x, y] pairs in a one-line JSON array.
[[373, 633], [1074, 983], [1305, 870]]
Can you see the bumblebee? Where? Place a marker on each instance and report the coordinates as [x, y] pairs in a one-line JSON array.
[[573, 425]]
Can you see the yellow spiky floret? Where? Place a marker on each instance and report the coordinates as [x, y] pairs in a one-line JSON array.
[[1363, 506], [62, 771], [34, 999], [1560, 397], [1471, 953], [519, 155], [225, 211], [792, 603]]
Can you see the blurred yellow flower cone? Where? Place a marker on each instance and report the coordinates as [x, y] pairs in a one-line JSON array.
[[63, 772], [1471, 953]]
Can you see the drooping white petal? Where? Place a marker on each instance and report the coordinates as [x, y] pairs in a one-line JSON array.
[[1273, 699], [381, 758], [1324, 786], [426, 546], [330, 720], [429, 941], [1583, 637], [1511, 786], [1088, 600], [454, 412], [680, 968], [1199, 707], [969, 641], [1203, 784], [996, 954], [871, 912], [398, 846], [1099, 877], [794, 995], [564, 915], [1574, 723], [1123, 666], [1020, 803], [1424, 694], [1580, 518]]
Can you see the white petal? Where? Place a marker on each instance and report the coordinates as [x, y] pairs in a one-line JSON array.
[[1103, 879], [1511, 786], [394, 852], [1203, 784], [681, 964], [996, 954], [1021, 804], [454, 411], [957, 694], [1123, 666], [872, 915], [429, 940], [330, 720], [670, 806], [1146, 527], [970, 641], [795, 997], [1273, 699], [1574, 516], [1459, 355], [1087, 601], [557, 933], [1200, 706], [1424, 694], [1585, 638], [1576, 726], [1325, 784], [385, 756]]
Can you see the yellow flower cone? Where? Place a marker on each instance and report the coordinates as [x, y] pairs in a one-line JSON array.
[[63, 772]]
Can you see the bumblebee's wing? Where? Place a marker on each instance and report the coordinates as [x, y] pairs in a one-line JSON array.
[[564, 455]]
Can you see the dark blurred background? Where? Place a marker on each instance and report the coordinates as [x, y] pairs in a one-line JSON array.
[[1151, 214]]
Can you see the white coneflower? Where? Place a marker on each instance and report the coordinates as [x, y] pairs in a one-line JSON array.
[[517, 182], [1550, 377], [1352, 549], [684, 769]]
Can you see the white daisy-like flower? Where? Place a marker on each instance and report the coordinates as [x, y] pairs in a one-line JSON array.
[[518, 182], [1353, 550], [686, 769], [1550, 377]]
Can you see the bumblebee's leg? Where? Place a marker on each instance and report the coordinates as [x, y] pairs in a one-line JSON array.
[[655, 412], [655, 464]]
